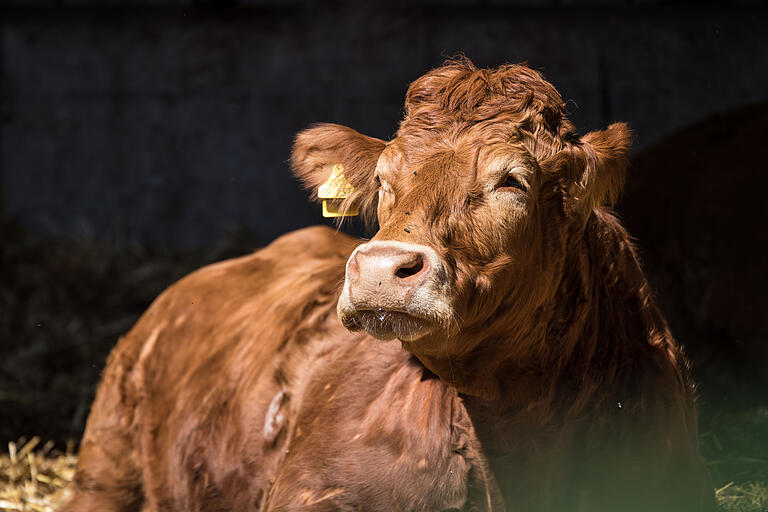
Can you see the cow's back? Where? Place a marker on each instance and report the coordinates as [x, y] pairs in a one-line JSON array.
[[239, 390]]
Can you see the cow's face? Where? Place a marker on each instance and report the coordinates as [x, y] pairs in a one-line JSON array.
[[474, 210]]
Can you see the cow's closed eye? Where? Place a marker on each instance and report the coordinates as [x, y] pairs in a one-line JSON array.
[[511, 182]]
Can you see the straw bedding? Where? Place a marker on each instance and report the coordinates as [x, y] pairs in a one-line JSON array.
[[35, 478]]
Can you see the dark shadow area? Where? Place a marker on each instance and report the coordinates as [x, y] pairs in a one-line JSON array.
[[696, 203]]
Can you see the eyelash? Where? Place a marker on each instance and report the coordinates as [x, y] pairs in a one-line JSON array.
[[512, 182]]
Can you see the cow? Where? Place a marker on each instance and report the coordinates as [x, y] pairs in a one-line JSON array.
[[533, 371]]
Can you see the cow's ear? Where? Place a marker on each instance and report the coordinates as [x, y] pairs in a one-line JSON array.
[[317, 150], [598, 168]]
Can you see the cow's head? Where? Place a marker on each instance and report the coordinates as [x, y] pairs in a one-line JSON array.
[[476, 199]]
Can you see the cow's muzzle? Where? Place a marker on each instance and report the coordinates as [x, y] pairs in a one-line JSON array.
[[394, 290]]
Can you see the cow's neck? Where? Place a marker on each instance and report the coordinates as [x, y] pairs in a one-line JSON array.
[[491, 371], [566, 352], [596, 362]]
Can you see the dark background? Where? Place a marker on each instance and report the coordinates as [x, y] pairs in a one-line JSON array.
[[165, 121], [142, 139]]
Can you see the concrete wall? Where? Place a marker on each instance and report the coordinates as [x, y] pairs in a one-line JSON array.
[[167, 121]]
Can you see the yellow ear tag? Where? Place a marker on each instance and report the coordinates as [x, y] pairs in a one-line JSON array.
[[334, 191]]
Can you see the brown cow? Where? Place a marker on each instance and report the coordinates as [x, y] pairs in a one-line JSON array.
[[534, 370]]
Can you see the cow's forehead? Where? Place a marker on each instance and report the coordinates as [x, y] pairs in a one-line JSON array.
[[425, 165], [462, 149], [455, 133]]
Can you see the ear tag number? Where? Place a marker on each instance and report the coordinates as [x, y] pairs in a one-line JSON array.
[[333, 193]]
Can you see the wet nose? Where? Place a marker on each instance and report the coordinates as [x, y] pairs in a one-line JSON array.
[[382, 266], [397, 277]]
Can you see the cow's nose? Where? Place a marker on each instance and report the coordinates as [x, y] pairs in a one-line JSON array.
[[388, 276], [382, 265]]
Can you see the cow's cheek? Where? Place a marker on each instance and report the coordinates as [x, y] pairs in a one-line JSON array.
[[504, 223]]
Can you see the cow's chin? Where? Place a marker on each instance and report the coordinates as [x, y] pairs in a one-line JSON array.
[[388, 325]]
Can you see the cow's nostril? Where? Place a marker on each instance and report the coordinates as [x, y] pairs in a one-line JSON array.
[[411, 269]]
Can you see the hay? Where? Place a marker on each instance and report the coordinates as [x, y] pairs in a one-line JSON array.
[[748, 497], [34, 478]]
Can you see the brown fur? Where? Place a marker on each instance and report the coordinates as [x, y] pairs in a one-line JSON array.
[[559, 384]]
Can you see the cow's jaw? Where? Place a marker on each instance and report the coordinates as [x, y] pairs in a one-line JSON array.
[[395, 290]]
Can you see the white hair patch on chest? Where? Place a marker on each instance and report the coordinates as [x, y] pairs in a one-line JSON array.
[[275, 418]]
